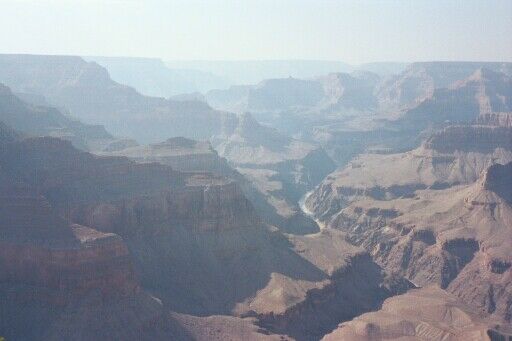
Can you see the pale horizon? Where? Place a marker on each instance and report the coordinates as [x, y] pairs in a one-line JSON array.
[[354, 32]]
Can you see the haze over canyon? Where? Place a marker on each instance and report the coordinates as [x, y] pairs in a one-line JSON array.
[[273, 199]]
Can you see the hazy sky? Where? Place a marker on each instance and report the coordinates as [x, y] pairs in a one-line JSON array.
[[351, 31]]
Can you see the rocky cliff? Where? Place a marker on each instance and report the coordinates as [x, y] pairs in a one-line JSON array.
[[437, 214], [419, 80], [66, 281], [481, 139], [483, 92], [503, 119], [434, 315], [181, 154], [454, 155], [457, 238], [188, 235], [281, 169], [349, 283]]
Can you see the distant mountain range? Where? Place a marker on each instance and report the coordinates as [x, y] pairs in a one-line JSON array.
[[154, 77]]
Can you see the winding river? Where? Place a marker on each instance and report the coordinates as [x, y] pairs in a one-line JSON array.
[[308, 212]]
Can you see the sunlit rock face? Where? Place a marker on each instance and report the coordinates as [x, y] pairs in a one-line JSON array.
[[419, 80], [455, 236], [435, 314], [437, 214], [482, 93]]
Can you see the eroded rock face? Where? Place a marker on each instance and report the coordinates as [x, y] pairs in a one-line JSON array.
[[359, 286], [433, 314], [307, 308], [61, 281], [335, 90], [482, 139], [457, 238], [115, 194], [189, 235], [67, 281], [497, 179], [454, 155], [419, 80], [421, 213], [280, 168], [181, 154], [501, 119], [200, 206], [483, 92]]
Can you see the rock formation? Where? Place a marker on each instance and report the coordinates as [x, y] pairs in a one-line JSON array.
[[350, 283], [456, 236], [181, 154], [67, 281], [189, 236], [483, 92], [281, 168], [214, 239], [419, 81], [428, 313], [454, 155]]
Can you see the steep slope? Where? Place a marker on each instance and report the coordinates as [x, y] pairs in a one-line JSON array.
[[454, 155], [350, 91], [435, 315], [419, 81], [275, 99], [181, 154], [191, 235], [281, 168], [79, 282], [199, 156], [67, 281], [136, 201], [306, 310], [483, 92], [458, 238]]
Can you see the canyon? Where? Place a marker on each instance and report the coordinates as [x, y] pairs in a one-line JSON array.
[[344, 206]]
